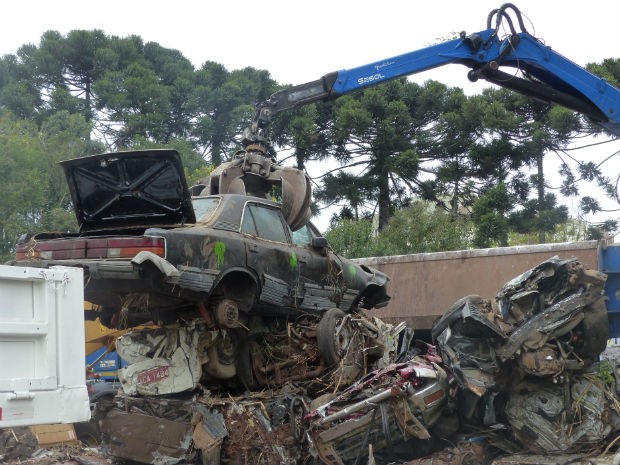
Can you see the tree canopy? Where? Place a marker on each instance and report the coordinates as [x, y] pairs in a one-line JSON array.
[[415, 167]]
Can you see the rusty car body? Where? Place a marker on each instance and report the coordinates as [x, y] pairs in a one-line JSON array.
[[147, 257]]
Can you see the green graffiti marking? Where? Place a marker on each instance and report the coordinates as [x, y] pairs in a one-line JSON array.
[[293, 261], [219, 249], [352, 270]]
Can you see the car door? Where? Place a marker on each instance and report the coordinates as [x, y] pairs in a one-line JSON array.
[[321, 271], [271, 255]]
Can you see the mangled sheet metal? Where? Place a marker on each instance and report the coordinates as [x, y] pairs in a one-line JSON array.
[[527, 360], [546, 321], [173, 405], [511, 375], [334, 350], [386, 407], [259, 428], [159, 430], [163, 360]]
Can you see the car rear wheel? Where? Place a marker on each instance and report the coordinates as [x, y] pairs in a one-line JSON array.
[[330, 344]]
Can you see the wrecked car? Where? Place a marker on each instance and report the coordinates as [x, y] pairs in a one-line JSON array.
[[147, 256], [507, 376], [169, 387], [548, 320], [529, 360], [391, 406]]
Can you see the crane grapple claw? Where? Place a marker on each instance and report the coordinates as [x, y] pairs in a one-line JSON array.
[[296, 196], [252, 173]]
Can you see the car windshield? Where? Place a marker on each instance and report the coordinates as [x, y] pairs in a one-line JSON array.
[[204, 207]]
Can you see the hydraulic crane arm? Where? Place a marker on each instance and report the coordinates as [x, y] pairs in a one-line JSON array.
[[537, 71], [547, 75]]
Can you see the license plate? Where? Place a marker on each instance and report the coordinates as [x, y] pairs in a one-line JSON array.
[[153, 375]]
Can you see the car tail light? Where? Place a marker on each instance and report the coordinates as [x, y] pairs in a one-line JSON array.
[[90, 248], [127, 247]]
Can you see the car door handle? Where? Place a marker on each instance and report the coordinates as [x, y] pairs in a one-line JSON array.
[[303, 259], [253, 248]]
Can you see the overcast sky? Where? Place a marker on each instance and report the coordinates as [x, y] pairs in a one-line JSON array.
[[299, 41]]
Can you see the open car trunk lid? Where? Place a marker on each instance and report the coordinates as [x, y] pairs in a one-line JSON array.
[[125, 189]]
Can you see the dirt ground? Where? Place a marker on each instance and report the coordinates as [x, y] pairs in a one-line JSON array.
[[19, 446]]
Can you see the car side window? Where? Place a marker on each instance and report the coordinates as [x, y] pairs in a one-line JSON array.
[[303, 236], [248, 226], [263, 222], [204, 207]]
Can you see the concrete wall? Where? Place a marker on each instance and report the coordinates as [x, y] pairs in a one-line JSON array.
[[424, 286]]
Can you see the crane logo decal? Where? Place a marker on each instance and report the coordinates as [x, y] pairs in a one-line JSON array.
[[384, 65], [368, 79]]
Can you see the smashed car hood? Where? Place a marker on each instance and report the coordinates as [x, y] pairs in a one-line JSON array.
[[125, 189]]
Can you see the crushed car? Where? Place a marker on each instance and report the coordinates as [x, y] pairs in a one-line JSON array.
[[183, 357], [528, 362]]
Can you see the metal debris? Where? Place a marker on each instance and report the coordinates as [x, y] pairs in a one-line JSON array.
[[509, 379]]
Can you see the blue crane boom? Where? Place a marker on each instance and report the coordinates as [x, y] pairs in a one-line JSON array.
[[547, 75]]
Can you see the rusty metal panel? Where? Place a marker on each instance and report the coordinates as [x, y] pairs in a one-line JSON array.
[[424, 286], [145, 438]]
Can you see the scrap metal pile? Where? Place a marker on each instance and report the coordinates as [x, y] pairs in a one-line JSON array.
[[527, 363], [507, 381]]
